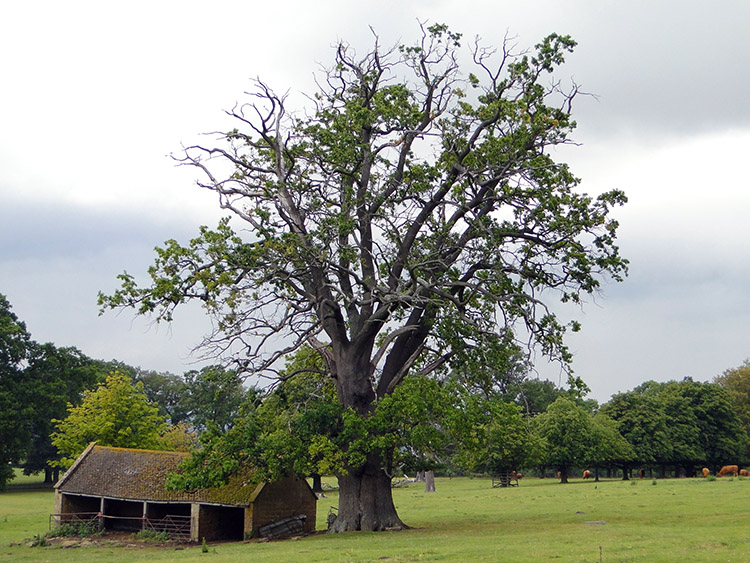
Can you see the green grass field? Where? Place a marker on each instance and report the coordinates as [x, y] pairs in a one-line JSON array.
[[466, 520]]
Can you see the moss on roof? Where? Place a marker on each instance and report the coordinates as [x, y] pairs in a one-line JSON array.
[[142, 474]]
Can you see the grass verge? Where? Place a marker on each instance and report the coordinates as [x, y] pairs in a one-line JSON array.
[[467, 520]]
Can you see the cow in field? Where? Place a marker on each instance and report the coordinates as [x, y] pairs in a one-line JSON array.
[[519, 475], [586, 474], [728, 470], [706, 472], [744, 473]]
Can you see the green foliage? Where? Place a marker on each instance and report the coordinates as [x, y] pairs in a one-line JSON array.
[[576, 438], [410, 222], [53, 379], [212, 395], [37, 381], [683, 423], [644, 424], [737, 383], [179, 438], [168, 391], [116, 414], [301, 427], [79, 529], [608, 446], [152, 536], [568, 432], [492, 435], [15, 414]]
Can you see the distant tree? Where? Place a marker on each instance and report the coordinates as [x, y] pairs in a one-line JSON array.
[[15, 414], [535, 395], [493, 436], [720, 436], [569, 433], [170, 392], [608, 446], [180, 437], [642, 420], [53, 379], [212, 395], [116, 414], [684, 424], [737, 383]]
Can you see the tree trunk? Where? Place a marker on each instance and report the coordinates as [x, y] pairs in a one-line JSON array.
[[420, 476], [429, 482], [317, 486], [366, 501], [563, 475], [48, 474], [365, 495]]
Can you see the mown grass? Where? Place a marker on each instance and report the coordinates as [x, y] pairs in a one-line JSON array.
[[21, 479], [467, 520]]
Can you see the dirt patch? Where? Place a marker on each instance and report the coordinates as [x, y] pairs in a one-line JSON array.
[[113, 539]]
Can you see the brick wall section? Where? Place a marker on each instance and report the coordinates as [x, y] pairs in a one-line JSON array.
[[282, 499]]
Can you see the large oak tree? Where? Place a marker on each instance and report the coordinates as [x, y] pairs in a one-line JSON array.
[[411, 216]]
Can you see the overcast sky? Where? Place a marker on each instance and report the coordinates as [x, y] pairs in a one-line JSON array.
[[96, 95]]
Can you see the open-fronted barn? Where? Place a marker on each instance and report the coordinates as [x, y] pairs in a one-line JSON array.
[[126, 490]]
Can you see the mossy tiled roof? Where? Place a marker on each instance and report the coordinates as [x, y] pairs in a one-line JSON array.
[[142, 474]]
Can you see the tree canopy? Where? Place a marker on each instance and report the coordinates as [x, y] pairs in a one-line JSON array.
[[411, 217], [569, 434], [679, 423], [117, 414], [15, 342], [53, 379], [737, 382]]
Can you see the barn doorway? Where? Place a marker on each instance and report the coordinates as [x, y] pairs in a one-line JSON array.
[[222, 522]]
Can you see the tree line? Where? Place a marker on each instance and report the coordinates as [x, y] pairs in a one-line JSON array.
[[443, 424], [55, 400]]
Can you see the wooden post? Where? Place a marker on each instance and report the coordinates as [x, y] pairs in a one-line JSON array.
[[429, 482]]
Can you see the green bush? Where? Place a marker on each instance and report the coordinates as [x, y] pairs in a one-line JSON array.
[[80, 529], [152, 536]]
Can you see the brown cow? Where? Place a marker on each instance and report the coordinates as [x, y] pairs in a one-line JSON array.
[[519, 475], [744, 473], [586, 474], [706, 472], [728, 470]]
